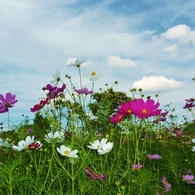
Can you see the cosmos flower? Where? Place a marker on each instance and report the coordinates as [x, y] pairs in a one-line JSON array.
[[193, 149], [34, 145], [39, 106], [83, 91], [102, 146], [189, 103], [66, 151], [7, 102], [145, 109], [4, 143], [123, 110], [105, 146], [29, 131], [77, 63], [167, 185], [117, 118], [95, 145], [189, 179], [28, 143], [56, 137], [54, 91], [154, 156], [161, 117], [137, 167], [56, 77], [92, 175], [92, 72]]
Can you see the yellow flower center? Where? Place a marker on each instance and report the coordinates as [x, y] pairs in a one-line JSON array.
[[129, 111], [93, 74], [66, 152], [32, 147], [144, 111]]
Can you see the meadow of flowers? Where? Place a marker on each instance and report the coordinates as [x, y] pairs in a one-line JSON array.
[[86, 142]]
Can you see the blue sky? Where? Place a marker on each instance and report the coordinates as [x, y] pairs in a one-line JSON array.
[[148, 44]]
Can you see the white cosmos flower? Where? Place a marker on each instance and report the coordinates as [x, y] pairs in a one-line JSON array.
[[102, 146], [57, 136], [193, 149], [66, 151], [92, 72], [23, 144], [77, 62], [4, 143], [95, 145], [56, 77], [193, 140], [105, 146]]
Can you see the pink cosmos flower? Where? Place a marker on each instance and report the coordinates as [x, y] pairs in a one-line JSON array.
[[167, 185], [83, 91], [7, 102], [123, 110], [146, 109], [137, 167], [39, 106], [93, 176], [117, 118], [189, 179], [154, 156]]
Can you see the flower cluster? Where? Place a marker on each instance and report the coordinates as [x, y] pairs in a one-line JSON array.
[[102, 146], [7, 102], [53, 92], [138, 107]]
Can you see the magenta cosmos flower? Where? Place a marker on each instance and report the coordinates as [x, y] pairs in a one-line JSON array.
[[39, 106], [54, 91], [161, 117], [154, 156], [7, 102], [189, 103], [143, 109], [123, 110]]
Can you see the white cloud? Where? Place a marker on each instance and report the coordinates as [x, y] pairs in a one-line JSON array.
[[181, 33], [157, 84], [120, 62], [172, 49]]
